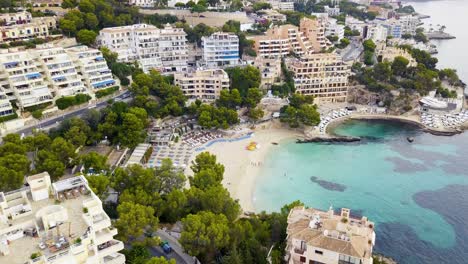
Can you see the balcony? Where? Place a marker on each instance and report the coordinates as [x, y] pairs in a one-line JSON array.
[[114, 259], [110, 247], [105, 235]]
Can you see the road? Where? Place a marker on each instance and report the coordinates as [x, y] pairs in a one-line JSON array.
[[177, 250], [47, 123]]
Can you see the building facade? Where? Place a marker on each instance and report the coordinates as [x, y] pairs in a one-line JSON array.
[[314, 31], [161, 49], [282, 5], [377, 33], [332, 28], [220, 50], [142, 3], [60, 71], [92, 66], [319, 237], [205, 85], [20, 28], [280, 41], [270, 71], [51, 223], [8, 19], [21, 79], [323, 75]]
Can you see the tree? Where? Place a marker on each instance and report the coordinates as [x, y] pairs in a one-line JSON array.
[[254, 95], [204, 234], [91, 21], [204, 161], [10, 179], [47, 161], [368, 57], [160, 260], [17, 162], [369, 45], [86, 6], [256, 113], [215, 199], [99, 184], [174, 206], [64, 151], [134, 219], [399, 65], [67, 26], [86, 37], [132, 131], [244, 78], [229, 98], [95, 161]]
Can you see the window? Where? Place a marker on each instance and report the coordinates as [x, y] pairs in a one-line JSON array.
[[319, 252], [315, 262], [302, 259]]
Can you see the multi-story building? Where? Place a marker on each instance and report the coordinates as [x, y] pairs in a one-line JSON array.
[[409, 23], [355, 24], [92, 67], [270, 71], [162, 49], [314, 31], [60, 71], [9, 19], [36, 27], [142, 3], [332, 11], [5, 105], [393, 26], [280, 41], [377, 33], [323, 75], [205, 85], [220, 50], [52, 223], [315, 236], [273, 16], [282, 5], [332, 28], [21, 79]]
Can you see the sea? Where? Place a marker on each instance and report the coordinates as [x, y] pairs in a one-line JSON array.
[[416, 193]]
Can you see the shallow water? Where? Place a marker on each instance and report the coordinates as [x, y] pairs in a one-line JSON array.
[[417, 193]]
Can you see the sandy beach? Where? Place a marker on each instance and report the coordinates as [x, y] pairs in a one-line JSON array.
[[243, 166]]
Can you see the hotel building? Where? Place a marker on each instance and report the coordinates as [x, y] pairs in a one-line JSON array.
[[51, 223], [22, 26], [92, 67], [270, 71], [5, 105], [280, 41], [21, 79], [323, 75], [59, 69], [162, 49], [319, 237], [220, 50], [205, 85], [314, 31]]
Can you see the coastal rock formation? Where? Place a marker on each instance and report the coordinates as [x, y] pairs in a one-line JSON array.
[[328, 139], [331, 186]]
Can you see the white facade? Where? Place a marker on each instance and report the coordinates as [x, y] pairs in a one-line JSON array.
[[5, 105], [92, 66], [60, 71], [283, 6], [26, 28], [220, 50], [332, 28], [377, 33], [61, 222], [355, 24], [142, 3], [332, 11], [162, 49], [21, 79], [409, 24]]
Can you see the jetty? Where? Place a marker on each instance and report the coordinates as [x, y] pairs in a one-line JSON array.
[[439, 35]]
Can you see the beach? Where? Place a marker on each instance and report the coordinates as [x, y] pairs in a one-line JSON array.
[[243, 166]]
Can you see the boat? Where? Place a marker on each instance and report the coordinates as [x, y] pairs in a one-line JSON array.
[[274, 143], [410, 139]]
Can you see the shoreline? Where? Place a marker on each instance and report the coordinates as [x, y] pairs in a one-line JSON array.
[[243, 167]]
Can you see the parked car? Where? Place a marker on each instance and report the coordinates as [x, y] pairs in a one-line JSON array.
[[166, 247]]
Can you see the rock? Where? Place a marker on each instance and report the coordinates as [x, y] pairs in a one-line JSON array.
[[328, 139]]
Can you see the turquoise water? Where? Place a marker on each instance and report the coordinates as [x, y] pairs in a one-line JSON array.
[[417, 193]]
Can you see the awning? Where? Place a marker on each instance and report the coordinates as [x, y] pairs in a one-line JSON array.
[[33, 75], [99, 84]]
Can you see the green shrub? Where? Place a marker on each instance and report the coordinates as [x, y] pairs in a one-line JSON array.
[[107, 91], [67, 101], [8, 117], [37, 107], [37, 114]]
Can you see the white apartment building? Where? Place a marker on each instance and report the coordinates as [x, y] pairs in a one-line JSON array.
[[5, 105], [332, 28], [205, 85], [409, 24], [162, 49], [355, 24], [323, 75], [280, 5], [56, 223], [92, 67], [21, 79], [332, 11], [142, 3], [377, 33], [319, 237], [60, 71], [220, 50], [36, 27]]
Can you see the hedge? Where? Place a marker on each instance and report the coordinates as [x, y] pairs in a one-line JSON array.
[[8, 117], [37, 107], [67, 101], [107, 91]]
